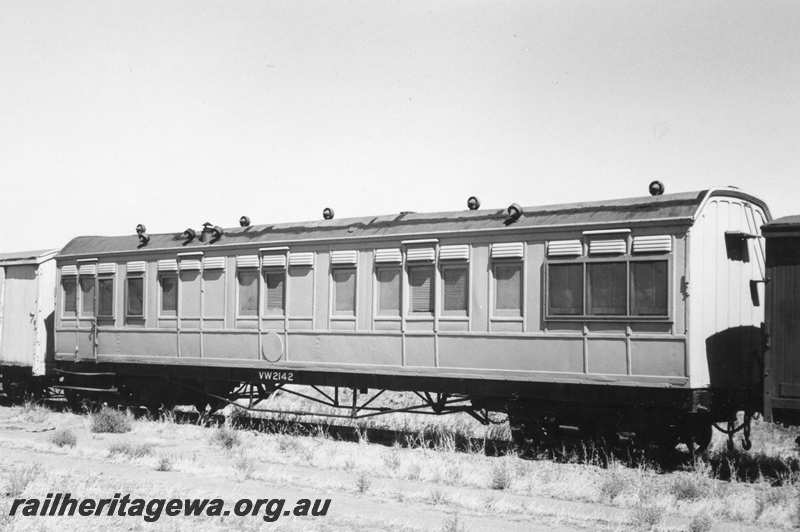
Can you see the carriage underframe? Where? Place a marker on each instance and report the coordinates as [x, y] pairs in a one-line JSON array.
[[536, 411]]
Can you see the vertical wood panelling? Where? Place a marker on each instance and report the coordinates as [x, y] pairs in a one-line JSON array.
[[720, 285], [364, 290], [480, 288], [322, 273], [533, 282]]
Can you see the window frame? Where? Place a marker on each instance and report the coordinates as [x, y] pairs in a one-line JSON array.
[[546, 287], [455, 315], [410, 314], [265, 311], [135, 317], [390, 266], [168, 315], [69, 314], [332, 291], [105, 277], [624, 258], [238, 308], [496, 314], [80, 300]]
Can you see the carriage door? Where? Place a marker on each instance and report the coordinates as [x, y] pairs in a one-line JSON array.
[[87, 316], [783, 319], [190, 305], [19, 315], [272, 304]]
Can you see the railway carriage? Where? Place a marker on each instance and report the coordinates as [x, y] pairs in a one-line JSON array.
[[782, 356], [27, 293], [637, 314]]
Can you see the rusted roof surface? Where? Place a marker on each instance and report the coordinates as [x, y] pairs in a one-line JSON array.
[[679, 206], [26, 257]]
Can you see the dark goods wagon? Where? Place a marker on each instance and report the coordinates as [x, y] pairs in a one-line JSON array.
[[638, 314], [782, 361]]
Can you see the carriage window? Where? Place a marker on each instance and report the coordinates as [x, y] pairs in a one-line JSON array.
[[248, 292], [134, 295], [508, 288], [190, 294], [565, 289], [274, 282], [301, 286], [169, 294], [388, 291], [105, 297], [68, 284], [214, 293], [454, 280], [344, 291], [420, 282], [607, 288], [649, 288], [87, 295]]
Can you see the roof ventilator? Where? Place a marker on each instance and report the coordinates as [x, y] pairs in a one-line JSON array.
[[473, 203], [656, 188], [514, 212], [327, 213], [215, 230], [189, 235], [141, 232], [244, 221]]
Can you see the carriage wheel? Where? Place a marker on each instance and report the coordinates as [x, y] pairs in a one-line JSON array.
[[77, 401], [697, 434]]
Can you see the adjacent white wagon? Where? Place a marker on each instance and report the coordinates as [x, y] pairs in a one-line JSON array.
[[27, 299]]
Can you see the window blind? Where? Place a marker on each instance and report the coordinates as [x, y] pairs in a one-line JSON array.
[[420, 280], [455, 289]]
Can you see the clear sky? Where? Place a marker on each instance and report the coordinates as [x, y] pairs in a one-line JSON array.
[[174, 113]]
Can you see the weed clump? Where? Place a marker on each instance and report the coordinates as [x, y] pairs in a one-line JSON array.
[[63, 438], [131, 450], [612, 486], [363, 482], [20, 478], [245, 466], [701, 523], [689, 487], [110, 420], [164, 463], [453, 525], [647, 515], [226, 437], [501, 477]]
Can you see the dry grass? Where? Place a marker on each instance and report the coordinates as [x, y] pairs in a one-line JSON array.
[[34, 413], [165, 463], [63, 438], [226, 437], [758, 488], [110, 420], [130, 450], [500, 476], [452, 524], [19, 478], [246, 466], [647, 515], [363, 482], [701, 523]]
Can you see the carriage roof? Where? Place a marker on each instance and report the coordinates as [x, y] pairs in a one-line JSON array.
[[667, 208], [19, 258]]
